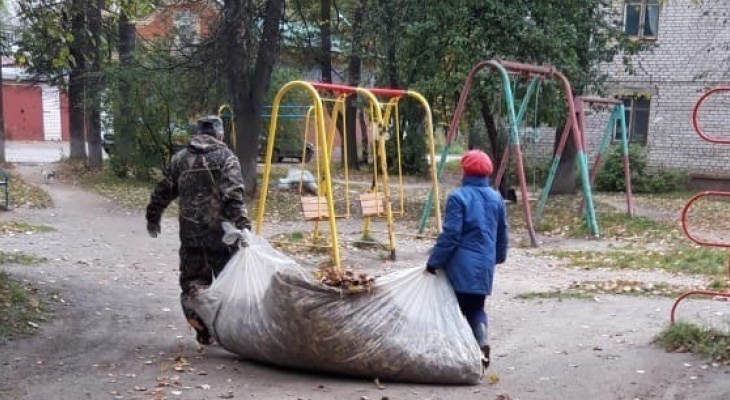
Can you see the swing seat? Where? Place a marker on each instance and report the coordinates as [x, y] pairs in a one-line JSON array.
[[372, 204], [315, 208]]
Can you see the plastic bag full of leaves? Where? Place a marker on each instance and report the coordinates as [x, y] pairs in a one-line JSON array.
[[405, 327]]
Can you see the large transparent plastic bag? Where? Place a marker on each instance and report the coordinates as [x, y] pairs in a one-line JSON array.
[[407, 328]]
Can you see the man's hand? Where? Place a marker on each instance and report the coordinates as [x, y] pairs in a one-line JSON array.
[[431, 269], [245, 238], [153, 229]]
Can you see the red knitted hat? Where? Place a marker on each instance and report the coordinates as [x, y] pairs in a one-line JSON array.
[[476, 163]]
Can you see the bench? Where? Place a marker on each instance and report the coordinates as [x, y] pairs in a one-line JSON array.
[[5, 188]]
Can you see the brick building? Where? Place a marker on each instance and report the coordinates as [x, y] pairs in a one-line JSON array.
[[183, 22], [686, 52]]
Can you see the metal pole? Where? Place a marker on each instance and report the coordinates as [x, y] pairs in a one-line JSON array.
[[520, 116], [429, 200], [582, 159], [515, 143], [620, 110], [553, 170], [435, 175], [608, 131]]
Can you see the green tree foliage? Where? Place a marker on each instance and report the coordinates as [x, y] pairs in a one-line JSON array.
[[443, 40], [413, 150], [162, 95], [69, 43], [438, 42]]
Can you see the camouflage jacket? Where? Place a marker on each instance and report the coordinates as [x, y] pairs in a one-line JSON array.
[[206, 176]]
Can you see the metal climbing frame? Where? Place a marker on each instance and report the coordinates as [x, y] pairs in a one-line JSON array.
[[696, 112], [698, 241], [535, 73]]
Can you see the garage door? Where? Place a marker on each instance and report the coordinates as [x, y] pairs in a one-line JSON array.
[[51, 113]]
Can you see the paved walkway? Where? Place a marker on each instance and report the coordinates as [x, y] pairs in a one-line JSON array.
[[37, 152]]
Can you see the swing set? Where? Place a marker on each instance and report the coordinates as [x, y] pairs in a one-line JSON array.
[[616, 120], [378, 202], [574, 127], [534, 74]]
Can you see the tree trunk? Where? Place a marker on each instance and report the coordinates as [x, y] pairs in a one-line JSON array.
[[496, 145], [94, 86], [391, 66], [249, 90], [76, 85], [351, 131], [247, 144], [2, 120], [325, 34], [354, 66], [566, 177], [365, 159], [123, 120]]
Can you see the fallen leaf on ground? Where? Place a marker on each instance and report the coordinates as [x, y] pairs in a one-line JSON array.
[[159, 394]]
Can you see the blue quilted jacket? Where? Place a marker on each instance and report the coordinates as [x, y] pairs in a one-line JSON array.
[[474, 237]]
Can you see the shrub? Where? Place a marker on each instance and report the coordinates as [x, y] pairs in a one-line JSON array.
[[610, 177]]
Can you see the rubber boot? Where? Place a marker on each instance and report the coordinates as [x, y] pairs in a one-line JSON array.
[[480, 333], [202, 335]]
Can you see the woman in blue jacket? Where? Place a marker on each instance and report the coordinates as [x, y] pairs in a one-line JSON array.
[[473, 241]]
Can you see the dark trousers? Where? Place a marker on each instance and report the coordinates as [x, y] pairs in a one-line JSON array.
[[472, 306], [198, 266]]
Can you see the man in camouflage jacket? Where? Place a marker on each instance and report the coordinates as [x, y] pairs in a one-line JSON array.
[[206, 176]]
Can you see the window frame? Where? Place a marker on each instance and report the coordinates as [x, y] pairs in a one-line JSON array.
[[630, 109], [643, 7]]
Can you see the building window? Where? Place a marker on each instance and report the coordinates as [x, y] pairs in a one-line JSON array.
[[637, 119], [641, 19], [186, 28]]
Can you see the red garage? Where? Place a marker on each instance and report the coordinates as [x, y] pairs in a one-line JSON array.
[[33, 111]]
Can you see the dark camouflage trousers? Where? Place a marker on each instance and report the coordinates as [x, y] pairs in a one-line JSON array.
[[198, 266]]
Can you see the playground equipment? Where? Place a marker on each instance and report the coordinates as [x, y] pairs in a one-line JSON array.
[[685, 211], [377, 203], [535, 74], [617, 116]]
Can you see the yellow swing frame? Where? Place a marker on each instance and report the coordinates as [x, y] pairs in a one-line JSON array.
[[313, 207]]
